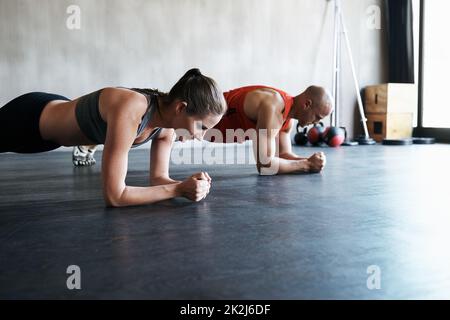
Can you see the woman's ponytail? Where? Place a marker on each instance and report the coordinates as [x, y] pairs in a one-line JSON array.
[[201, 93]]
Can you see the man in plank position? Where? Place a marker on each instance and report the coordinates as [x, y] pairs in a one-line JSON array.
[[265, 115]]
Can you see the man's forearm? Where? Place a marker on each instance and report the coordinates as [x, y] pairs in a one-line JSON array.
[[134, 196], [291, 156], [283, 166]]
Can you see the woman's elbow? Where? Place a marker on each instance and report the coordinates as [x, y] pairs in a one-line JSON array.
[[113, 199], [112, 202]]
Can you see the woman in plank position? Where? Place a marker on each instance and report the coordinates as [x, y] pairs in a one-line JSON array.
[[121, 119]]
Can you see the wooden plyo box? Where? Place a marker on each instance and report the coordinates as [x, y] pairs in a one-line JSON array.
[[390, 125], [390, 110], [391, 97]]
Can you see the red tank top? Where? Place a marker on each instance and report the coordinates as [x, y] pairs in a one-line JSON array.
[[235, 117]]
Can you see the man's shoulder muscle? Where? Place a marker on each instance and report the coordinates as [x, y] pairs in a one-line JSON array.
[[264, 101]]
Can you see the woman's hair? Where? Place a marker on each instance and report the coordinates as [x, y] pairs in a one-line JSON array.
[[201, 93]]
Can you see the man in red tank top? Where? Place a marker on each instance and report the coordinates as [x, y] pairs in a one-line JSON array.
[[265, 116]]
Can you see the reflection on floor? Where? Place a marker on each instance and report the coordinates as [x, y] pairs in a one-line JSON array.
[[376, 213]]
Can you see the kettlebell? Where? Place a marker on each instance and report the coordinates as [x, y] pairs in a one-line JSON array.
[[315, 134], [301, 138]]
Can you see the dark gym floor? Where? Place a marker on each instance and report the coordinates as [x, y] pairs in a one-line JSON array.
[[282, 237]]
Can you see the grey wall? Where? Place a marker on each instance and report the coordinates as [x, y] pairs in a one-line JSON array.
[[283, 43]]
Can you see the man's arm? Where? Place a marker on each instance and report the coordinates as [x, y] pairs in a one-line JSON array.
[[264, 145], [285, 145]]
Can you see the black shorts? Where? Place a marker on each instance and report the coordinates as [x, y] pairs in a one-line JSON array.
[[19, 123]]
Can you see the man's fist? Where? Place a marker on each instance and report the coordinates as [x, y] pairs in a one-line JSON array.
[[317, 162]]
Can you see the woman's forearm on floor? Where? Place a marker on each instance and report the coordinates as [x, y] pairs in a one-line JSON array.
[[134, 196]]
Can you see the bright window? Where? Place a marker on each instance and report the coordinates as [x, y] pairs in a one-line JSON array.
[[436, 64]]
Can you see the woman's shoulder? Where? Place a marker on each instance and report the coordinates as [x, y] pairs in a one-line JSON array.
[[123, 100], [120, 94]]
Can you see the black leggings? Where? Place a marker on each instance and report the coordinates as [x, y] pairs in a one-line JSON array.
[[19, 123]]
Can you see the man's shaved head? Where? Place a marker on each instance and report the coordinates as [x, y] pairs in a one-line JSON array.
[[321, 99], [312, 105]]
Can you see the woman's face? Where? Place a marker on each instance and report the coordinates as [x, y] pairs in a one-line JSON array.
[[188, 127]]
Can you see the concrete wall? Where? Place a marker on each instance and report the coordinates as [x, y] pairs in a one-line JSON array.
[[151, 43]]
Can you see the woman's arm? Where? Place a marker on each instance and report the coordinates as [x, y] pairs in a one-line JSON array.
[[160, 158], [119, 139], [123, 122]]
